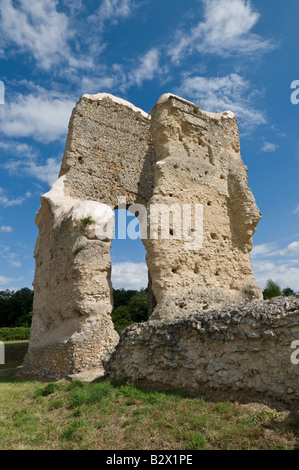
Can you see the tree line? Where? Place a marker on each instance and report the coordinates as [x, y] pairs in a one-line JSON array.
[[16, 308], [272, 289], [130, 306]]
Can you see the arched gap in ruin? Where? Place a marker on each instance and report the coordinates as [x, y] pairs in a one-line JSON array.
[[128, 255]]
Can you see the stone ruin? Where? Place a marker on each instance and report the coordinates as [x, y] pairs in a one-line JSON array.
[[201, 286]]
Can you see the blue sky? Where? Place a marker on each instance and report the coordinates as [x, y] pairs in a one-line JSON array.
[[221, 54]]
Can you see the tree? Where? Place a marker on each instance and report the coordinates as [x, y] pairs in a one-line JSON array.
[[129, 307], [287, 292], [15, 308], [5, 297], [138, 306], [272, 290], [121, 318], [122, 297]]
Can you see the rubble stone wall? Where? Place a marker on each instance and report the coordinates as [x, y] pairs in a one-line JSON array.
[[247, 348]]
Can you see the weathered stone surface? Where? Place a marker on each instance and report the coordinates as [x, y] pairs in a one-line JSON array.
[[242, 348], [199, 162], [180, 157], [108, 154]]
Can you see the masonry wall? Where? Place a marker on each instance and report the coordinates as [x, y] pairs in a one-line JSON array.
[[108, 152], [245, 348]]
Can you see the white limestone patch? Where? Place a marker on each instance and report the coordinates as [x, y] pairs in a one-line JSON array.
[[60, 203], [64, 206], [101, 214], [218, 116], [102, 96], [166, 97]]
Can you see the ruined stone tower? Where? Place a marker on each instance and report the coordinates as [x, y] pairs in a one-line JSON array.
[[179, 157]]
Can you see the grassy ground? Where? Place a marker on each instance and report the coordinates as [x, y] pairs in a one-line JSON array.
[[109, 416]]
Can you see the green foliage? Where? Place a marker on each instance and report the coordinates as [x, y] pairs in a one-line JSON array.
[[129, 307], [138, 306], [88, 395], [272, 290], [14, 334], [196, 109], [197, 441], [86, 221], [71, 433], [56, 403], [287, 292], [121, 318], [25, 320], [49, 389], [15, 308], [122, 297]]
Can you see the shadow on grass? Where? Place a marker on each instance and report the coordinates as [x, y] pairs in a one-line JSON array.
[[14, 356]]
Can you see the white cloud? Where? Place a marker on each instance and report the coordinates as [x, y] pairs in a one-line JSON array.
[[67, 39], [15, 264], [282, 268], [225, 30], [146, 69], [35, 27], [6, 281], [17, 148], [263, 250], [46, 172], [291, 250], [218, 94], [6, 202], [99, 84], [268, 147], [6, 228], [296, 210], [50, 36], [129, 275], [112, 10], [10, 256], [44, 116], [284, 274]]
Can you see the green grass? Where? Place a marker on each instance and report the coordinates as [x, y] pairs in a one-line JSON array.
[[105, 415]]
